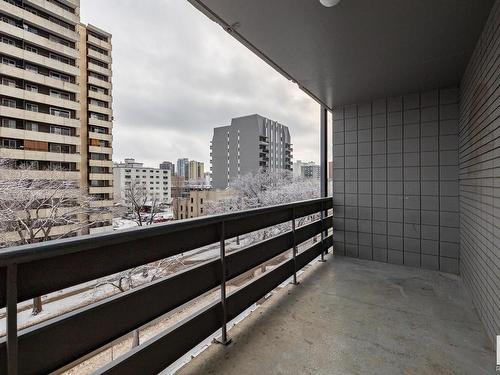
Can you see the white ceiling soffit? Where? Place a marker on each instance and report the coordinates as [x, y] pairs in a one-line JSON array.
[[358, 49]]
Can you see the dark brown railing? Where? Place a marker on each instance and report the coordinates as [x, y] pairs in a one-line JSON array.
[[34, 270]]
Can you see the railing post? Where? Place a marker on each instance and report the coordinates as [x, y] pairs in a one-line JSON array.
[[322, 232], [224, 340], [295, 282], [12, 348]]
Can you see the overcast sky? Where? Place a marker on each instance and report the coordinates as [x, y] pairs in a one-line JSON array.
[[177, 75]]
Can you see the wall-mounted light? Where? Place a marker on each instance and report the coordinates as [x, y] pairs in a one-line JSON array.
[[329, 3]]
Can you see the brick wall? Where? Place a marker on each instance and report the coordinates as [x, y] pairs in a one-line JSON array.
[[479, 145], [396, 180]]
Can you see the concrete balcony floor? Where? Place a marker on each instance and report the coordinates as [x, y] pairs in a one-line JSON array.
[[350, 316]]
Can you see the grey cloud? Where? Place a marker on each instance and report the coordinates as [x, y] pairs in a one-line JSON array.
[[177, 75]]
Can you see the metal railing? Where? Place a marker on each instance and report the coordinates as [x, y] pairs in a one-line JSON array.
[[34, 270]]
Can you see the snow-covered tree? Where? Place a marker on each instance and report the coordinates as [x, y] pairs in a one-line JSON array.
[[36, 208], [261, 189], [137, 200]]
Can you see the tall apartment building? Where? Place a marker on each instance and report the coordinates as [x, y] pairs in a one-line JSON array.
[[183, 168], [169, 166], [196, 171], [156, 181], [250, 143], [55, 93]]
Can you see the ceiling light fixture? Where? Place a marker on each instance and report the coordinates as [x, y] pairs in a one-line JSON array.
[[329, 3]]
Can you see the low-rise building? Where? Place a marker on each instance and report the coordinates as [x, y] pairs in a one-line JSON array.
[[193, 203]]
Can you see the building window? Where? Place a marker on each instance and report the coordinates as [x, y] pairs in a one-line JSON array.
[[59, 112], [9, 103], [8, 82], [58, 94], [33, 126], [31, 49], [7, 61], [31, 88], [9, 123], [10, 143], [59, 76], [32, 107]]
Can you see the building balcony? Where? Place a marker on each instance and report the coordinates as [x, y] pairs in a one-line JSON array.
[[39, 136], [99, 82], [101, 163], [99, 69], [101, 136], [99, 56], [103, 110], [38, 21], [101, 150], [38, 78], [101, 176], [368, 311], [20, 154], [101, 190], [23, 114], [35, 58], [78, 255], [99, 96], [98, 42], [54, 10], [102, 123], [31, 96], [38, 40]]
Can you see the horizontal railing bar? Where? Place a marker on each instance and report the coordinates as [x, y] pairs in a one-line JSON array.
[[161, 351], [44, 275], [37, 351]]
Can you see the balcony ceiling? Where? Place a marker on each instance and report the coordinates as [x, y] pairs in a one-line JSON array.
[[359, 49]]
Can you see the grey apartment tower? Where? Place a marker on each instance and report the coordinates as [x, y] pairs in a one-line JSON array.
[[249, 144]]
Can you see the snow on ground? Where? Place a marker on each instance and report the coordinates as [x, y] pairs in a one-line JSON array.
[[121, 223]]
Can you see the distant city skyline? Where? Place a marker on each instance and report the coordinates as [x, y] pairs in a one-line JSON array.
[[166, 103]]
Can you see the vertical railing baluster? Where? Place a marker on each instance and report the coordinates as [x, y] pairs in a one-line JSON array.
[[295, 282], [224, 340], [11, 308], [322, 233]]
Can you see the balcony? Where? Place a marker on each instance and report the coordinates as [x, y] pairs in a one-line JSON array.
[[98, 42], [38, 78], [23, 114], [99, 109], [32, 96], [102, 123], [99, 83], [47, 62], [91, 257], [99, 56], [56, 11], [38, 40], [40, 22]]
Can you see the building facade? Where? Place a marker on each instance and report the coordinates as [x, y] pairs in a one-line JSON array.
[[196, 171], [183, 167], [56, 94], [311, 171], [193, 202], [249, 144], [156, 181], [169, 166], [298, 165]]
